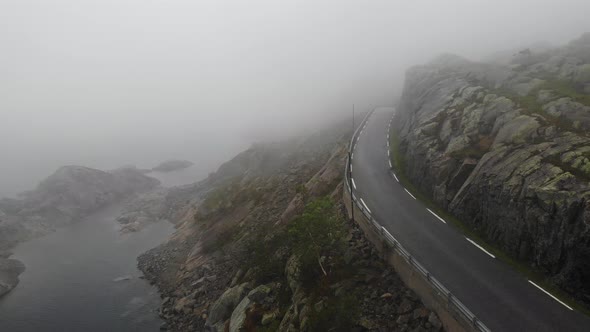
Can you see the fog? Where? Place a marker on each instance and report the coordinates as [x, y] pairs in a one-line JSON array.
[[108, 83]]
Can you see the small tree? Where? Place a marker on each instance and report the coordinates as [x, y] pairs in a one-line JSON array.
[[314, 236]]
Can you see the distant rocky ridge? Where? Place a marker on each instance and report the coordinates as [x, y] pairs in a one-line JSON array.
[[506, 149], [172, 165], [68, 195]]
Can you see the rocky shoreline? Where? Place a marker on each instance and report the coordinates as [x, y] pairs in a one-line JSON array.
[[386, 303], [10, 269], [66, 196]]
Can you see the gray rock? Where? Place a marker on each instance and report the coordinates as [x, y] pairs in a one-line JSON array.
[[258, 294], [516, 131], [434, 321], [225, 305], [238, 316]]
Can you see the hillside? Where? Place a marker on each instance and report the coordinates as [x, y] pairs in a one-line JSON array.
[[505, 149], [268, 247]]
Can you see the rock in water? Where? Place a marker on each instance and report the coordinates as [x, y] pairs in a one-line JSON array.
[[172, 165], [123, 278]]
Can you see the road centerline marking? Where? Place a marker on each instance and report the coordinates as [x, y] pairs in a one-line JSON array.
[[365, 205], [553, 297], [409, 193], [434, 214], [396, 179], [480, 247], [389, 161], [353, 184]]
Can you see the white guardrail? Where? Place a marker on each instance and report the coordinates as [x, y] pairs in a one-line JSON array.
[[441, 290]]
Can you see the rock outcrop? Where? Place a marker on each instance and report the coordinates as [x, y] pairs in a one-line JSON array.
[[506, 149]]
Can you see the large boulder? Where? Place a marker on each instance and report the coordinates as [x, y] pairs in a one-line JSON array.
[[240, 313], [224, 306]]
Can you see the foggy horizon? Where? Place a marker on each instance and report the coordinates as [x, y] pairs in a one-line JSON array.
[[111, 83]]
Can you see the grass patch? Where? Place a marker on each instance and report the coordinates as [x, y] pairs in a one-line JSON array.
[[523, 267]]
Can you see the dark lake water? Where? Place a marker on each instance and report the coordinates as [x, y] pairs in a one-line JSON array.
[[69, 281]]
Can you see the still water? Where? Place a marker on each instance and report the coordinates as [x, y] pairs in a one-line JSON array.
[[69, 283]]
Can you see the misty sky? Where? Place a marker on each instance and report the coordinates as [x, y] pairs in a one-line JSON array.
[[108, 83]]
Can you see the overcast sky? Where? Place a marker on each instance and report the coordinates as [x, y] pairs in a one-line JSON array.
[[106, 83]]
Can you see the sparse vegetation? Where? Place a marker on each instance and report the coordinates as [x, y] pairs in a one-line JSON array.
[[220, 238], [316, 238], [266, 255]]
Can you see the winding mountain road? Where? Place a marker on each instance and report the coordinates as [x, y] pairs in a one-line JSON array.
[[498, 295]]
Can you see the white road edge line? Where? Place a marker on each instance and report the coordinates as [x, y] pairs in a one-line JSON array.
[[353, 184], [365, 205], [388, 153], [396, 179], [480, 247], [387, 143], [389, 163], [352, 156], [556, 299], [434, 214], [409, 193]]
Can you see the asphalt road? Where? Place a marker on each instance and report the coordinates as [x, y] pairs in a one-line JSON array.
[[498, 295]]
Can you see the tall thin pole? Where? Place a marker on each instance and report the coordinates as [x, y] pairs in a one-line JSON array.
[[349, 170], [353, 119]]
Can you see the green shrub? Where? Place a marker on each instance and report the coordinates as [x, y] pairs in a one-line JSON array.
[[317, 238], [265, 254]]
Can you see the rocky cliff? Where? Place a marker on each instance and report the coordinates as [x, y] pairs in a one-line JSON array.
[[267, 248], [506, 149]]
